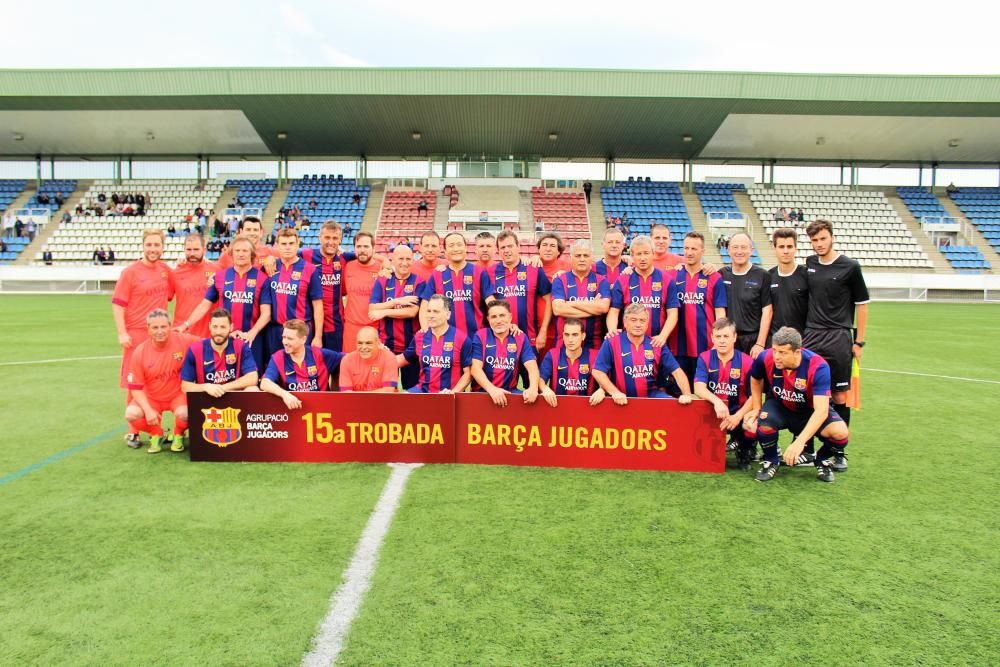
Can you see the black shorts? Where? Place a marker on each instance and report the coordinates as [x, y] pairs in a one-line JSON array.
[[745, 342], [836, 347]]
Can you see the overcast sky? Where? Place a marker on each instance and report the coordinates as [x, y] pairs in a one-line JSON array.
[[851, 37]]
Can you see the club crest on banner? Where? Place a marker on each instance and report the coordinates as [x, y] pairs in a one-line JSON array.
[[221, 427]]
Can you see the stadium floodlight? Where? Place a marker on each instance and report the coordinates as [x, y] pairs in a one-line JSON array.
[[282, 135], [553, 136], [18, 136], [953, 143], [150, 136], [687, 138], [416, 135]]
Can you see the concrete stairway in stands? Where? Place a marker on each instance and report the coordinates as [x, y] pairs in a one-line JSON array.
[[274, 207], [978, 239], [488, 198], [595, 211], [700, 224], [441, 214], [228, 195], [369, 221], [760, 239], [33, 251], [940, 262]]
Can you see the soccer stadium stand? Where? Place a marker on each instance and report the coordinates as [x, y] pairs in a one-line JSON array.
[[642, 204], [982, 207], [253, 192], [169, 201], [865, 225], [9, 190], [334, 199], [921, 203], [718, 196], [966, 259], [52, 188], [14, 247], [561, 212]]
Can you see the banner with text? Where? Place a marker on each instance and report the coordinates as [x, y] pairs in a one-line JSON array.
[[329, 427], [647, 434]]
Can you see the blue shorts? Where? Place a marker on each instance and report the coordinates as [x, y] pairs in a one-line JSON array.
[[333, 340], [775, 415]]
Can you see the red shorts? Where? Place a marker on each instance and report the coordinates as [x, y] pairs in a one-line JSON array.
[[178, 401]]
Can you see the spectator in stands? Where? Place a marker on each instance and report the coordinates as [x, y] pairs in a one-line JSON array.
[[109, 256], [422, 207], [587, 188], [356, 198], [8, 225], [233, 228], [60, 200], [140, 201], [800, 216], [951, 189], [312, 204], [779, 215], [66, 216], [3, 245], [101, 197], [42, 198], [792, 215], [30, 228], [187, 226], [18, 227], [199, 212], [47, 256], [171, 230], [115, 199], [79, 209], [98, 256], [306, 222]]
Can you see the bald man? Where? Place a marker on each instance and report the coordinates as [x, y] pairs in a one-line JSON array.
[[748, 296], [370, 367]]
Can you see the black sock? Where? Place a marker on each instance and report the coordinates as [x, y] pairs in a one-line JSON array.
[[843, 411]]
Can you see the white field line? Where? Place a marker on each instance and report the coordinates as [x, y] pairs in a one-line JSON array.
[[346, 601], [930, 375], [56, 361]]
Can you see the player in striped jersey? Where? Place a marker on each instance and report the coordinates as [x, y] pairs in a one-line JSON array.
[[465, 285], [723, 379], [629, 365], [649, 286], [394, 304], [299, 367], [243, 290], [581, 294], [443, 352], [569, 367], [702, 298], [297, 290], [498, 357], [524, 288], [790, 389], [219, 363], [611, 264]]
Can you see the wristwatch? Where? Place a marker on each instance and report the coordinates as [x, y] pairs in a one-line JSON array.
[[859, 343]]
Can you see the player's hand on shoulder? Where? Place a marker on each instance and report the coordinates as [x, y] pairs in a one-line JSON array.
[[708, 268], [269, 264], [612, 333], [660, 339]]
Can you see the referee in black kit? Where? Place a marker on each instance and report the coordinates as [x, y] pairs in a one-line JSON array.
[[748, 296], [837, 292]]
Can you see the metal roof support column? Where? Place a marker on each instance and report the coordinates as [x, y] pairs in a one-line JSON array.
[[38, 169], [771, 181], [934, 166], [116, 170], [285, 160], [841, 172], [854, 176], [281, 181], [130, 169], [208, 167], [763, 172], [199, 167], [52, 167], [920, 175]]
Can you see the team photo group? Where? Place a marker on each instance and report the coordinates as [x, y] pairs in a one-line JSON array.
[[770, 350]]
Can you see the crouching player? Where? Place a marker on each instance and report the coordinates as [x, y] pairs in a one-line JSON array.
[[723, 379], [299, 367], [797, 384], [630, 366], [569, 367], [154, 383], [499, 357], [219, 363]]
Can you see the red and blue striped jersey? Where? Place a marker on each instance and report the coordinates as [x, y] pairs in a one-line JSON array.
[[396, 333], [730, 381], [331, 278], [241, 295], [569, 287], [502, 359], [569, 377], [637, 370], [610, 274], [794, 388], [467, 290], [699, 295], [442, 358], [313, 374], [203, 365], [522, 288], [656, 292], [295, 287]]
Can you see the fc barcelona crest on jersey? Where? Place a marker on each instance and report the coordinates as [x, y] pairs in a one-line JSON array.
[[657, 286], [231, 358], [522, 275], [221, 427], [376, 371], [649, 354], [591, 287], [311, 370], [734, 372], [468, 280], [178, 356], [296, 275], [702, 283], [407, 289], [512, 347], [251, 282], [336, 266], [800, 384], [448, 346], [584, 369]]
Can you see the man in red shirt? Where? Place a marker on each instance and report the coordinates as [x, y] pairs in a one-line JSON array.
[[190, 280], [143, 286], [251, 227], [430, 256], [663, 259], [154, 382], [359, 280], [371, 367]]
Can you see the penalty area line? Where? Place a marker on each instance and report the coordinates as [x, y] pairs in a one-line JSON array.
[[931, 375], [56, 361], [58, 456], [346, 601]]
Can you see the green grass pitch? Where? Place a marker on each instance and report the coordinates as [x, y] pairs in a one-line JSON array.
[[110, 556]]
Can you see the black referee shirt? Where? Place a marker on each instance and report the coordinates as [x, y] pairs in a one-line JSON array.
[[789, 299], [834, 290], [746, 295]]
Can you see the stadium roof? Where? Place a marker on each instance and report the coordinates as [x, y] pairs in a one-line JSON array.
[[594, 114]]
